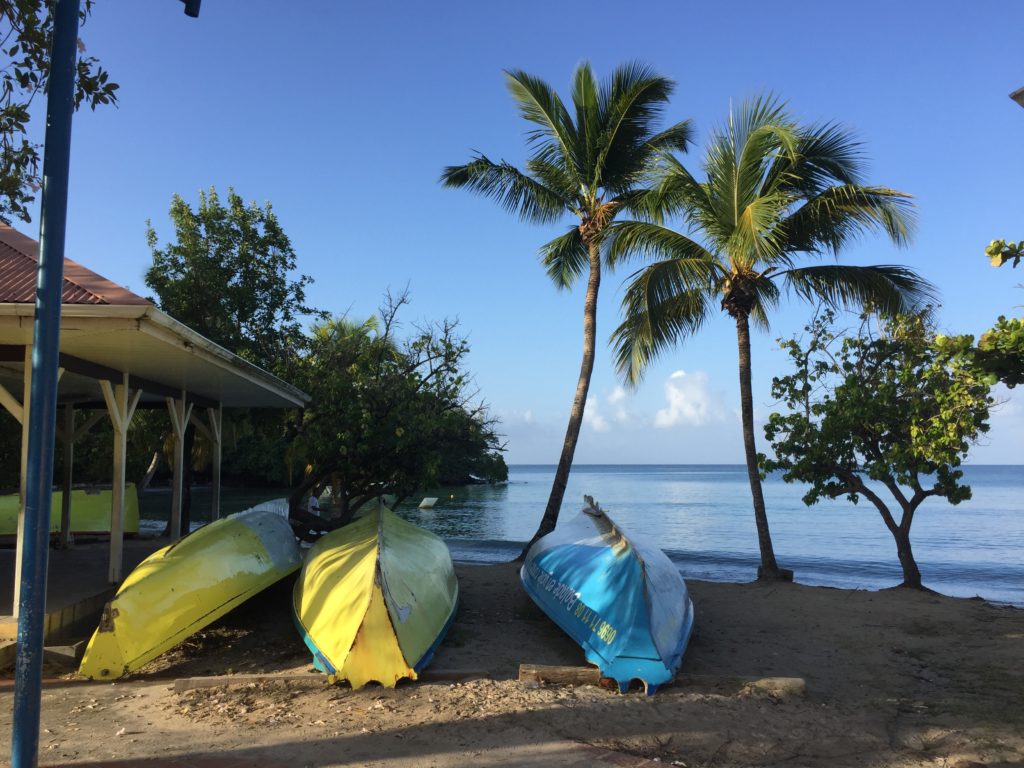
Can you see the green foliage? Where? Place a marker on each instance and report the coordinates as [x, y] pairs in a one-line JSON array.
[[389, 415], [894, 405], [226, 276], [774, 191], [26, 29], [1000, 252], [1000, 352]]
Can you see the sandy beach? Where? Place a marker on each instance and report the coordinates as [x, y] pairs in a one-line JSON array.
[[893, 678]]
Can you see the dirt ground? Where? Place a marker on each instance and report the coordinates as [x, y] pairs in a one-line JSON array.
[[893, 678]]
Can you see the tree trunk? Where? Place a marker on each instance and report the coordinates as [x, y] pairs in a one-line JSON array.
[[572, 432], [911, 573], [769, 569]]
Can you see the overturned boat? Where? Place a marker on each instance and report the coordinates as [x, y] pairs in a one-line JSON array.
[[618, 596], [375, 599], [182, 588]]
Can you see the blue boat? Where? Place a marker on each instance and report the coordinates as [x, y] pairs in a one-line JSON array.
[[618, 596]]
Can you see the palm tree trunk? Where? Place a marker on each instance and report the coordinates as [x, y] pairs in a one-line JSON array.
[[769, 569], [572, 431]]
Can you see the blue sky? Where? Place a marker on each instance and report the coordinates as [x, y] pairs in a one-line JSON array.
[[343, 115]]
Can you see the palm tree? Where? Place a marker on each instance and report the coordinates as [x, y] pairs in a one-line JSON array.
[[774, 191], [589, 163]]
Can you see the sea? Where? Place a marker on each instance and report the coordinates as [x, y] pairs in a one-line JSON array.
[[701, 516]]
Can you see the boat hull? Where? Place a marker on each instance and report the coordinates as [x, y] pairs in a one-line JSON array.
[[618, 596], [90, 511], [186, 586], [375, 599]]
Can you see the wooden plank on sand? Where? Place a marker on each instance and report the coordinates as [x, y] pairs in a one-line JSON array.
[[772, 686], [311, 678]]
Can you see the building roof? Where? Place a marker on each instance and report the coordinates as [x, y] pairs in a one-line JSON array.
[[108, 332], [19, 263]]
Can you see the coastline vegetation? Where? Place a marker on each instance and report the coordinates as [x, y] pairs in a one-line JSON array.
[[893, 405], [776, 193]]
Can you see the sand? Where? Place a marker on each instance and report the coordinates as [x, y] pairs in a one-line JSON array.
[[893, 678]]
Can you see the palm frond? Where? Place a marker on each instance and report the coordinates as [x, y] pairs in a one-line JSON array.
[[677, 138], [756, 237], [838, 215], [630, 240], [656, 317], [509, 187], [631, 101], [767, 297], [586, 98], [540, 104], [886, 288], [828, 154], [565, 258]]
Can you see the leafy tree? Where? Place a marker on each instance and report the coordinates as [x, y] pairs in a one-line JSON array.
[[895, 408], [1000, 352], [26, 32], [589, 163], [774, 191], [387, 415], [1000, 252], [226, 275]]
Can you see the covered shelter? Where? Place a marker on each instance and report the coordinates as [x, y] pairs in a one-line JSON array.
[[119, 352]]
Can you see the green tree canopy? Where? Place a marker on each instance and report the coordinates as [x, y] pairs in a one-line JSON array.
[[26, 32], [388, 415], [589, 162], [891, 411], [774, 193], [228, 275]]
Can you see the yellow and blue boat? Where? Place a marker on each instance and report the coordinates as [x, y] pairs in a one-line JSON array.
[[90, 511], [375, 599], [618, 596], [182, 588]]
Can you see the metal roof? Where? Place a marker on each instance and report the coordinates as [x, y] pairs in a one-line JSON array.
[[19, 262], [108, 331]]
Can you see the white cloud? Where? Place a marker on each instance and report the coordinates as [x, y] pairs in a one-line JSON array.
[[592, 416], [689, 401], [618, 395]]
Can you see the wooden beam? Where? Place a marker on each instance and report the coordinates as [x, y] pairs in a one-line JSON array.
[[69, 459], [312, 679], [26, 352], [778, 687], [121, 404], [11, 404], [104, 373], [180, 412], [216, 416]]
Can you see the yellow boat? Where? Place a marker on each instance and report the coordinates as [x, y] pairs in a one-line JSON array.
[[90, 511], [182, 588], [375, 599]]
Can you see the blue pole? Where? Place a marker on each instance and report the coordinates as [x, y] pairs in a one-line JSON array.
[[60, 105]]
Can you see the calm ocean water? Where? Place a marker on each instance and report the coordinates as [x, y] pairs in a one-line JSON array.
[[701, 516]]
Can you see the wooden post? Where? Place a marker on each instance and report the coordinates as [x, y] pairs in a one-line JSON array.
[[20, 544], [69, 460], [216, 416], [180, 412], [121, 408]]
